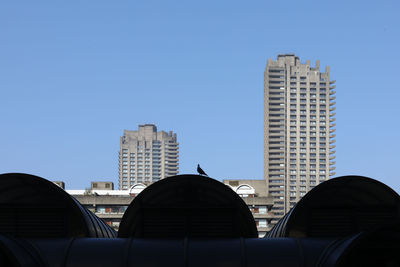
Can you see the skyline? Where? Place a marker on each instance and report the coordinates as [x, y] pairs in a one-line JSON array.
[[74, 73]]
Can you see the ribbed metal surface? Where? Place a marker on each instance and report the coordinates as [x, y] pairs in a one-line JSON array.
[[187, 206], [340, 207], [34, 207], [33, 221]]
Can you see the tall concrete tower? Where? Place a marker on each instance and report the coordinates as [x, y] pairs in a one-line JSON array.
[[147, 156], [299, 104]]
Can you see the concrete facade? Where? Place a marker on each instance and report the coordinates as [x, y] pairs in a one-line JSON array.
[[147, 156], [110, 205], [255, 195], [298, 129]]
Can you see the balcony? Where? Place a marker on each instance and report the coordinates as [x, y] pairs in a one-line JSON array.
[[332, 141], [332, 152], [332, 114], [170, 168], [332, 125], [332, 173], [332, 147], [332, 130], [332, 163], [332, 136], [332, 119], [332, 103], [332, 92], [332, 109], [332, 98], [332, 82], [332, 157]]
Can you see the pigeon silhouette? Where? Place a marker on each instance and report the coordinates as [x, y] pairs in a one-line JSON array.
[[200, 170]]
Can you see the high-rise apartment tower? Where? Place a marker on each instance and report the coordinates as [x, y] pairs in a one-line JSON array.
[[298, 129], [147, 156]]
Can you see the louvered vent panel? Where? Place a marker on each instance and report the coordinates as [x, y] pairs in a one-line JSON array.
[[372, 218], [33, 222], [333, 223], [157, 224]]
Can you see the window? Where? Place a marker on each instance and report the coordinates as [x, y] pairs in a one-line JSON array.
[[275, 71]]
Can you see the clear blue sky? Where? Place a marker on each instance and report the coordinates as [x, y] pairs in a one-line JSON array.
[[75, 74]]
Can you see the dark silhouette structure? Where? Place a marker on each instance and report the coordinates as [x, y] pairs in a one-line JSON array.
[[340, 207], [200, 170], [187, 206], [32, 207], [187, 220]]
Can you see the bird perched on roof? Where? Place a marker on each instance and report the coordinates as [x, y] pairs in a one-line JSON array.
[[200, 170]]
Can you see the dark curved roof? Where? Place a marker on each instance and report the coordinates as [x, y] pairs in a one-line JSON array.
[[377, 247], [339, 207], [17, 252], [187, 206], [34, 207]]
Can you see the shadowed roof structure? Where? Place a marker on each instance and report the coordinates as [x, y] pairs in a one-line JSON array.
[[340, 207], [187, 206], [34, 207]]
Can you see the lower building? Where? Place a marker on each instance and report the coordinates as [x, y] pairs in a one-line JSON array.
[[110, 205], [254, 194]]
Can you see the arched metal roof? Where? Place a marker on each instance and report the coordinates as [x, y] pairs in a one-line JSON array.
[[17, 252], [187, 206], [340, 207], [377, 247], [34, 207]]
